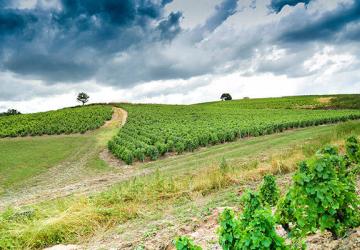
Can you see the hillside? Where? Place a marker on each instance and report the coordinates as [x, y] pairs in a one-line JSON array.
[[69, 189], [64, 121], [155, 130], [295, 102]]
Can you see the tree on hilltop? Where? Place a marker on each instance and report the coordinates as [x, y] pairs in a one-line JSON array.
[[10, 112], [83, 98], [226, 97]]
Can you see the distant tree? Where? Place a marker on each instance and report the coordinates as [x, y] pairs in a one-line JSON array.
[[83, 97], [10, 112], [226, 97]]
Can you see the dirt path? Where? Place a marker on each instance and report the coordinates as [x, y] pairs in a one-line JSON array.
[[118, 119], [72, 176]]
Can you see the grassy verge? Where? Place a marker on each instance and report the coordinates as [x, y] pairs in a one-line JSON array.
[[24, 158], [76, 219]]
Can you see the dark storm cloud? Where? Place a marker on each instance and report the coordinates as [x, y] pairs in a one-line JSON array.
[[68, 44], [278, 5], [325, 27], [222, 12], [15, 22], [122, 43], [3, 3], [170, 27], [60, 68]]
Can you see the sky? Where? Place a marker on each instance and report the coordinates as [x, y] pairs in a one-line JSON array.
[[174, 51]]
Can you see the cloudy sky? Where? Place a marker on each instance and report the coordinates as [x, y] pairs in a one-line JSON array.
[[174, 51]]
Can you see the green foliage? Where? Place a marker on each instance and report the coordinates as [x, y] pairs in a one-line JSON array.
[[353, 149], [323, 196], [64, 121], [260, 233], [253, 229], [184, 243], [10, 112], [229, 230], [226, 97], [346, 101], [251, 202], [284, 212], [83, 98], [180, 128], [269, 192], [158, 129]]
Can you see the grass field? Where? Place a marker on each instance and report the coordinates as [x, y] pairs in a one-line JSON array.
[[23, 158], [25, 161], [69, 189], [183, 180]]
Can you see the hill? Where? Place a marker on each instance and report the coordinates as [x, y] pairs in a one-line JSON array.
[[156, 130], [68, 189], [64, 121]]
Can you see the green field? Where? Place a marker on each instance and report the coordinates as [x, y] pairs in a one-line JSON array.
[[154, 199], [294, 102], [22, 159], [64, 121], [154, 130], [79, 218]]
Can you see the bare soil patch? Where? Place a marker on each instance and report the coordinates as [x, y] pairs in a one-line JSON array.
[[325, 100], [118, 119]]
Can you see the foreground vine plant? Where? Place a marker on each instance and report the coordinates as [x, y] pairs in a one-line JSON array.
[[253, 229], [269, 192], [322, 196]]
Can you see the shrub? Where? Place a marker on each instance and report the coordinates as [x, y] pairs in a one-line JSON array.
[[323, 196], [152, 152], [140, 154], [353, 149], [229, 230], [269, 192], [161, 147], [260, 233], [184, 243], [254, 229], [251, 202], [179, 147], [284, 212], [127, 156]]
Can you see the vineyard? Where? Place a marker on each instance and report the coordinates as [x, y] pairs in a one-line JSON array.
[[64, 121], [322, 197], [294, 102], [154, 130], [184, 195]]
